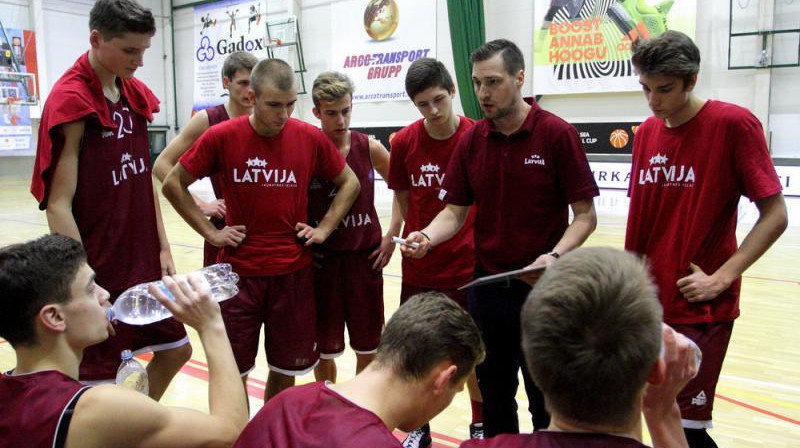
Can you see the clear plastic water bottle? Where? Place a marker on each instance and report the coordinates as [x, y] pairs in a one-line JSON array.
[[136, 306], [132, 374]]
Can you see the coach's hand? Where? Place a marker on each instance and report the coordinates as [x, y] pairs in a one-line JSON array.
[[699, 286], [228, 236], [310, 235]]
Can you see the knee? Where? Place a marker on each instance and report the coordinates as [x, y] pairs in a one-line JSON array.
[[178, 355]]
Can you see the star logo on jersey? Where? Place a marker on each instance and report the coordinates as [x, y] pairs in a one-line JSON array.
[[659, 159], [534, 159], [125, 158], [429, 168], [129, 167], [256, 162]]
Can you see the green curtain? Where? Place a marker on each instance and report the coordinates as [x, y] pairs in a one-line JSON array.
[[467, 33]]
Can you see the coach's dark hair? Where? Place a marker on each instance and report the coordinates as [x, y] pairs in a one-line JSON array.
[[591, 332], [425, 73], [32, 275], [670, 54], [238, 60], [426, 330], [113, 18], [513, 61], [274, 71]]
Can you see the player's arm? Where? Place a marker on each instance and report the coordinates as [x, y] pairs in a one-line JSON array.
[[165, 253], [64, 183], [383, 254], [114, 416], [401, 199], [772, 221], [176, 190], [443, 227], [348, 189]]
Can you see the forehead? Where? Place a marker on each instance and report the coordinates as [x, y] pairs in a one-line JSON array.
[[241, 74], [82, 277], [493, 67], [269, 93], [127, 40], [430, 93], [342, 103], [658, 80]]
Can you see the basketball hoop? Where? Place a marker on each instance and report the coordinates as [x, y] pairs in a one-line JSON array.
[[275, 42], [11, 100]]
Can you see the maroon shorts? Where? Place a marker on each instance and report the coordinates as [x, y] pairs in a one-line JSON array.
[[697, 398], [101, 361], [348, 292], [406, 291], [284, 305]]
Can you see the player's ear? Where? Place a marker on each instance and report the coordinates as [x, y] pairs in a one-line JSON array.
[[316, 112], [658, 373], [226, 82], [52, 318]]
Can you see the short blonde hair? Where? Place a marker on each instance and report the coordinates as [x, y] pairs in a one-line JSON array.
[[330, 87]]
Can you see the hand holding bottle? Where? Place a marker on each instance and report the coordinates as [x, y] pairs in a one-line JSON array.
[[191, 301]]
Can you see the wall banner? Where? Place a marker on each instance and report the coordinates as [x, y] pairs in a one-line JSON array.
[[582, 46], [220, 29], [374, 42], [17, 55], [607, 138]]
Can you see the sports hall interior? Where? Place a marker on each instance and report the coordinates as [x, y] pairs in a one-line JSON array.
[[758, 397]]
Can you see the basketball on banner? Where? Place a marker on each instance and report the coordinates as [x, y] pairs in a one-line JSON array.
[[618, 138]]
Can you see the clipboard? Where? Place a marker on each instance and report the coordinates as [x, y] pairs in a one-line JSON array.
[[501, 277]]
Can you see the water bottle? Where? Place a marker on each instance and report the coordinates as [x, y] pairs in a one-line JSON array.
[[136, 306], [132, 374]]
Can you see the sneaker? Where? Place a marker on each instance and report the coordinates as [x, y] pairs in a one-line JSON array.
[[628, 14], [476, 430], [419, 438]]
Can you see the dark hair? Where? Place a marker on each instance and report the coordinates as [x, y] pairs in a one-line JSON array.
[[32, 275], [513, 61], [274, 71], [426, 330], [113, 18], [591, 332], [670, 54], [238, 60], [425, 73]]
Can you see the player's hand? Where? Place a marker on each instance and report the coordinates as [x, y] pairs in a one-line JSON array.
[[310, 235], [680, 366], [213, 209], [532, 277], [193, 304], [228, 236], [383, 253], [699, 286], [167, 265], [420, 251]]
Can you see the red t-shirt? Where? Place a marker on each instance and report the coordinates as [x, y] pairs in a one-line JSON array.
[[32, 408], [522, 185], [417, 165], [265, 186], [360, 228], [685, 187], [555, 439], [314, 416]]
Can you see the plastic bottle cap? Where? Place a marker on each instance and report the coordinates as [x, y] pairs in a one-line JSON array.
[[126, 354]]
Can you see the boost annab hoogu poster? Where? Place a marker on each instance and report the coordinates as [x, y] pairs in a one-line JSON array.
[[582, 46]]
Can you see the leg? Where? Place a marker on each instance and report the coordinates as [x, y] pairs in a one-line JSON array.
[[276, 382], [330, 315], [325, 370], [164, 366], [539, 415], [362, 361], [363, 305]]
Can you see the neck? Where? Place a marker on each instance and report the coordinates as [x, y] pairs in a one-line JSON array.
[[514, 119], [107, 79], [55, 355], [341, 141], [236, 110], [688, 112], [378, 390], [631, 430], [444, 130]]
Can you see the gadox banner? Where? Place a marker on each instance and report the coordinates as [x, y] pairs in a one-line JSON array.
[[219, 30], [374, 42]]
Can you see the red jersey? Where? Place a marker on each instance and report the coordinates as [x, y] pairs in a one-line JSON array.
[[522, 185], [417, 165], [33, 411], [685, 187], [265, 184], [555, 439], [314, 416], [360, 229]]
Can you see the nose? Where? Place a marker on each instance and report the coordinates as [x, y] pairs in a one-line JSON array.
[[102, 295]]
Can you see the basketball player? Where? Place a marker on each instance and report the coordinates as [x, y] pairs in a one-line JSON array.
[[51, 310], [266, 162], [349, 279], [236, 80], [428, 349], [597, 379], [92, 175], [420, 154], [692, 162]]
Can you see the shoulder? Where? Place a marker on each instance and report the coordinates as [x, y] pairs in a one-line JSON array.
[[731, 114], [410, 131], [552, 121]]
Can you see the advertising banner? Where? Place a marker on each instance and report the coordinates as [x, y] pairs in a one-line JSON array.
[[220, 29], [374, 42], [582, 46], [18, 89], [607, 138]]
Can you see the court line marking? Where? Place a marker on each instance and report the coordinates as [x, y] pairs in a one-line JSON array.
[[770, 384]]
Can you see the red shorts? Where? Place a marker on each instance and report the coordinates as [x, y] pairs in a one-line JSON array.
[[348, 292], [697, 398], [101, 361], [406, 291], [284, 304]]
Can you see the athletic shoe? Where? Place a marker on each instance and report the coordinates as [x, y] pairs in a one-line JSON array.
[[476, 430], [627, 14], [419, 438]]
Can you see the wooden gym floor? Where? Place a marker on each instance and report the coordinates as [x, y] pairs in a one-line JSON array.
[[758, 398]]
